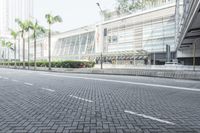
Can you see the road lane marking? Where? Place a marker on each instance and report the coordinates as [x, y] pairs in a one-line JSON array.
[[5, 78], [127, 82], [48, 89], [15, 80], [149, 117], [29, 84], [81, 98]]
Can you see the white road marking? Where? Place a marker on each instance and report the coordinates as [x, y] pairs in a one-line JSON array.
[[48, 89], [127, 82], [15, 80], [81, 98], [5, 78], [149, 117], [29, 84]]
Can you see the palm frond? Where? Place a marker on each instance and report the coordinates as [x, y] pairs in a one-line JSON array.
[[19, 22], [53, 19], [49, 18], [3, 43], [37, 30], [9, 44], [14, 34], [58, 19]]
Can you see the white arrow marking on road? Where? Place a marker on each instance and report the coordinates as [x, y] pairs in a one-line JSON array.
[[48, 89], [81, 98], [149, 117], [28, 84], [127, 82]]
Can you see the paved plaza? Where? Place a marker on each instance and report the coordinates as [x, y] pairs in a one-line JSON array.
[[32, 101]]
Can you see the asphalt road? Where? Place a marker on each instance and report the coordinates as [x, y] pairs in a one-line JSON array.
[[60, 102]]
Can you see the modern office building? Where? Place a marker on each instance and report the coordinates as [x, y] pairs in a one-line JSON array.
[[3, 15], [150, 30], [12, 9], [137, 38], [9, 11]]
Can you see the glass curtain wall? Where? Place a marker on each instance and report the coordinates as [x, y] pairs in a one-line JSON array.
[[152, 36], [159, 33], [73, 47]]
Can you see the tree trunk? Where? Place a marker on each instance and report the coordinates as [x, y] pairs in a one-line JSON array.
[[8, 57], [49, 47], [35, 54], [28, 51], [3, 57], [19, 49], [24, 53]]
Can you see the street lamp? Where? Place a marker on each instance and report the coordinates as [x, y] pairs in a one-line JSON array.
[[101, 60], [99, 7]]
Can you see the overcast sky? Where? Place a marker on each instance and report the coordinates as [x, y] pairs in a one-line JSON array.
[[75, 13]]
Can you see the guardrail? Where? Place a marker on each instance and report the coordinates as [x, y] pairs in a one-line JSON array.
[[151, 67]]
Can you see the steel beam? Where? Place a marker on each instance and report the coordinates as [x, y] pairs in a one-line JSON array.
[[194, 30], [192, 37]]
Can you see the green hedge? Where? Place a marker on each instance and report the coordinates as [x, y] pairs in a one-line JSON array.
[[57, 64]]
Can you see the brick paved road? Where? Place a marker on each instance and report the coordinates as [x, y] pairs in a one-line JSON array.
[[56, 102]]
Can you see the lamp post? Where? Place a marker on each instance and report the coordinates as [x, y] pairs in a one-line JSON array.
[[99, 7], [102, 45]]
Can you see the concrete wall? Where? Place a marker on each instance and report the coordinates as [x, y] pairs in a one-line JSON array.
[[188, 52]]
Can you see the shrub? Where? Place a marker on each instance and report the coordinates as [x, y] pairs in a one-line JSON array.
[[57, 64]]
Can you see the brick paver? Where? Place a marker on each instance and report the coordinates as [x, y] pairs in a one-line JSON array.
[[31, 109]]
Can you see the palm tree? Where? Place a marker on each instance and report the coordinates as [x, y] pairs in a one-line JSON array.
[[129, 6], [3, 43], [9, 47], [51, 20], [14, 34], [151, 2], [22, 26], [27, 29], [37, 30]]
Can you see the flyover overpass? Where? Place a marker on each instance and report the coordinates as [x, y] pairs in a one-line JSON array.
[[188, 44]]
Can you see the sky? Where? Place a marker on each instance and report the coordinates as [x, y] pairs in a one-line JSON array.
[[75, 13]]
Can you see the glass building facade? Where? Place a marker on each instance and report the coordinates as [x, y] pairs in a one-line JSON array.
[[151, 31], [151, 36], [140, 36], [75, 46]]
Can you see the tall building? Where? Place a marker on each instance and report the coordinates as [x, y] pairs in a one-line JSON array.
[[9, 11], [12, 9], [150, 30], [137, 38], [3, 17]]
